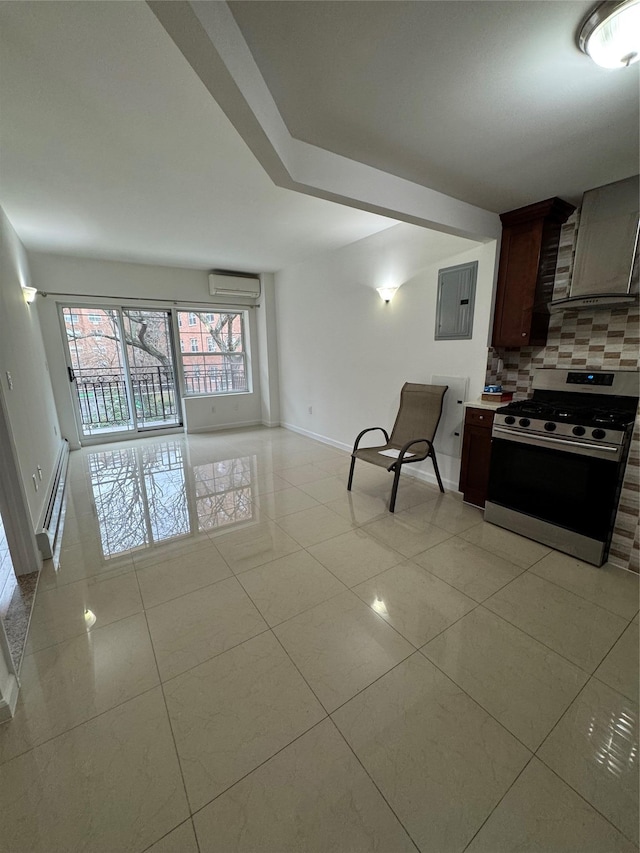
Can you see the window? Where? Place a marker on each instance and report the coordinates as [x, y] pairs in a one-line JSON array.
[[94, 318], [72, 318], [179, 319], [217, 359], [181, 345]]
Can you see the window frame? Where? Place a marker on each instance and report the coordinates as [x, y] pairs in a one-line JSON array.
[[206, 365]]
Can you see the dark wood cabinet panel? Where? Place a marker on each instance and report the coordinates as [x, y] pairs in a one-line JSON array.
[[476, 455], [528, 255]]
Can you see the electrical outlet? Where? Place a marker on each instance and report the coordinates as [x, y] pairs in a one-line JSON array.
[[310, 410], [9, 381], [35, 482]]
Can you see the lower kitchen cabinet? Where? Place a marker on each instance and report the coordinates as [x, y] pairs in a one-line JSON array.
[[476, 455]]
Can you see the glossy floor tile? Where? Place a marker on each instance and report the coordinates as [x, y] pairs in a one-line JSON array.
[[195, 627], [439, 760], [474, 571], [110, 784], [234, 712], [407, 535], [511, 547], [181, 573], [312, 796], [76, 608], [594, 749], [230, 645], [354, 556], [340, 647], [607, 586], [523, 684], [449, 513], [180, 840], [255, 545], [578, 630], [621, 667], [541, 814], [66, 684], [311, 526], [417, 604], [288, 586], [278, 504]]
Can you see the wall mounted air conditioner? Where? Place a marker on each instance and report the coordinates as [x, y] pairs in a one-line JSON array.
[[228, 283]]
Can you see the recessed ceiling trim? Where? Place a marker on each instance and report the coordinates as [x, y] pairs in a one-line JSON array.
[[207, 35]]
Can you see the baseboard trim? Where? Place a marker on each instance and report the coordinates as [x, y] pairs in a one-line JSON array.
[[423, 476], [49, 523], [221, 427], [339, 445]]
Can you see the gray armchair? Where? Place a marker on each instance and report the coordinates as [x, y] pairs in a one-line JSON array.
[[411, 438]]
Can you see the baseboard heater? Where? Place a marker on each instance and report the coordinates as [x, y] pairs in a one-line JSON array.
[[49, 529]]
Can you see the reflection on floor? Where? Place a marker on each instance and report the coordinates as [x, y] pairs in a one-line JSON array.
[[231, 652]]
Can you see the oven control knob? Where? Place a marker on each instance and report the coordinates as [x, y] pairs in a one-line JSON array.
[[550, 426], [598, 433], [524, 422], [578, 430], [509, 420]]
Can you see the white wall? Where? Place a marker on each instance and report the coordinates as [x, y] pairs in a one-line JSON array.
[[91, 280], [29, 404], [346, 354]]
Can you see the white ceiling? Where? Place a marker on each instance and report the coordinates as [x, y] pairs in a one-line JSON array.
[[112, 147], [487, 101]]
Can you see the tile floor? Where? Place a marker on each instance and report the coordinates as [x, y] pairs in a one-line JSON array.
[[231, 653]]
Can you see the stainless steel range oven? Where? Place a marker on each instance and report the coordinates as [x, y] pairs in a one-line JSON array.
[[558, 459]]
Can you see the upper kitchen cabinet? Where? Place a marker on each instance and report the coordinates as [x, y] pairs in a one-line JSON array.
[[530, 238]]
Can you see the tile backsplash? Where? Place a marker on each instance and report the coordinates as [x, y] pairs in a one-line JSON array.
[[606, 339]]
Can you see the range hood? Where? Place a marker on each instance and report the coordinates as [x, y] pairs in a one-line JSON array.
[[605, 270]]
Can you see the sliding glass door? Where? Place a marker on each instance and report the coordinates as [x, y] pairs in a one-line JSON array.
[[121, 364]]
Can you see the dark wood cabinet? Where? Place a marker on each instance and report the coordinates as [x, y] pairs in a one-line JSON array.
[[476, 455], [528, 256]]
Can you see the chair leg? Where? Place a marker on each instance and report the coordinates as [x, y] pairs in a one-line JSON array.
[[394, 489], [353, 465], [436, 469]]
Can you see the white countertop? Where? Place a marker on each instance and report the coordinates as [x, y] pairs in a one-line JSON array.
[[484, 404]]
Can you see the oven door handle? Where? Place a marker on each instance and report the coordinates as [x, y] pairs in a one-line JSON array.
[[568, 444]]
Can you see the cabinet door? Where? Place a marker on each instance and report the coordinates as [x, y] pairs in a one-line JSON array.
[[519, 260], [476, 456]]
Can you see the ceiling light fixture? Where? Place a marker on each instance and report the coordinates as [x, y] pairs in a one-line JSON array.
[[611, 34], [386, 293]]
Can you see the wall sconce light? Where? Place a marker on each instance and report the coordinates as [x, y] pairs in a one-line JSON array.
[[611, 34], [29, 294], [387, 293]]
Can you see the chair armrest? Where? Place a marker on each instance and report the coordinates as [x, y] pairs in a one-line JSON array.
[[410, 444], [369, 429]]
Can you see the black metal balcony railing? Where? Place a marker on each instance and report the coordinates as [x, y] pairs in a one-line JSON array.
[[215, 380], [102, 395], [104, 404]]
